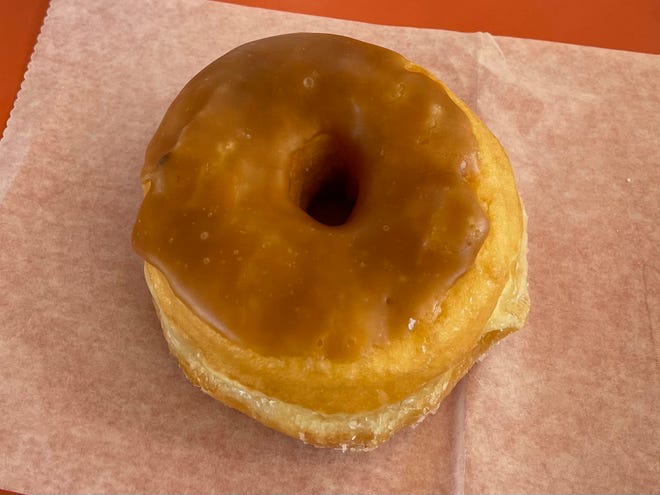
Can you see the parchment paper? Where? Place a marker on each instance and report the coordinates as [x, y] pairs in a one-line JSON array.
[[91, 401]]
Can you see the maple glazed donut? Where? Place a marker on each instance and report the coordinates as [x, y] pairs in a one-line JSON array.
[[331, 237]]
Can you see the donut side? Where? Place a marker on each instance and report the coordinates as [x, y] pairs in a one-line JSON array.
[[358, 431]]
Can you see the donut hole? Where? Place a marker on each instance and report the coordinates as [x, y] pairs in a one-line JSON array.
[[324, 180], [333, 202]]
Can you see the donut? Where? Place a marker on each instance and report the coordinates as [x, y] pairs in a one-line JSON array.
[[330, 236]]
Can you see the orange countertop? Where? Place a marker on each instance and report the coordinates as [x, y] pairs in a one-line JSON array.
[[605, 23]]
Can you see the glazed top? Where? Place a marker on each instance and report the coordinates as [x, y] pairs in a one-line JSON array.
[[310, 194]]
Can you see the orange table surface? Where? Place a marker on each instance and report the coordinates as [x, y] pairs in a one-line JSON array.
[[633, 25]]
